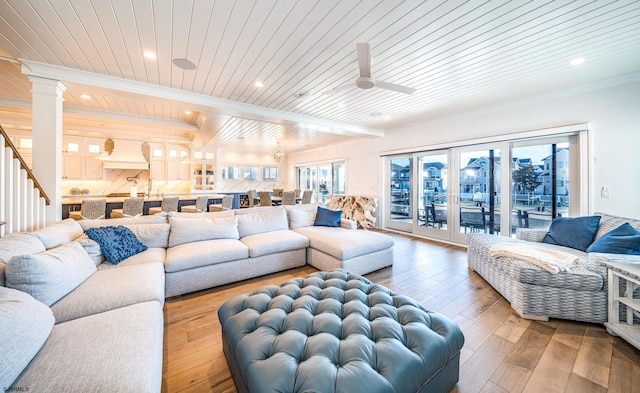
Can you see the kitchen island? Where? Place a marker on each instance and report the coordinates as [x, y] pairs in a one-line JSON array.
[[73, 203]]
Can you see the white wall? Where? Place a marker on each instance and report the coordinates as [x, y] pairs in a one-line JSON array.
[[612, 113]]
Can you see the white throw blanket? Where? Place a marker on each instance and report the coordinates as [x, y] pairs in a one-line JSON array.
[[552, 261]]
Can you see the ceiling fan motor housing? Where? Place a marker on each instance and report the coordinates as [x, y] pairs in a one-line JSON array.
[[365, 82]]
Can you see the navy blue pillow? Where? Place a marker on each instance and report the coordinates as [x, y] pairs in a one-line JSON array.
[[327, 218], [577, 232], [116, 243], [625, 239]]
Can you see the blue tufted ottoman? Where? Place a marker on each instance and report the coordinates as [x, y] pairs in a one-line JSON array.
[[337, 332]]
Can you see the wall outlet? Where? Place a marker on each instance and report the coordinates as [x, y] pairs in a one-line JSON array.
[[604, 192]]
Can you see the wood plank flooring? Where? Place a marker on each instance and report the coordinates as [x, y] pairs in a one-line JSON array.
[[502, 352]]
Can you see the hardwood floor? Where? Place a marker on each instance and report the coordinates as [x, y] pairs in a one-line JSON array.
[[502, 352]]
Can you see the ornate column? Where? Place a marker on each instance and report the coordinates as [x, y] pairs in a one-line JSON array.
[[47, 141]]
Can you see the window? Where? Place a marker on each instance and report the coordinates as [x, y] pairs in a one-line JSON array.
[[230, 172], [324, 179], [94, 149], [251, 173], [270, 173], [157, 152]]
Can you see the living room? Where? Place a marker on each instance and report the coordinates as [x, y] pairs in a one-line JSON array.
[[540, 96]]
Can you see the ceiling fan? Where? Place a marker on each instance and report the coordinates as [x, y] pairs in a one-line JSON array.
[[365, 80]]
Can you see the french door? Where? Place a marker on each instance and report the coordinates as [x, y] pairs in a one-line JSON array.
[[492, 188]]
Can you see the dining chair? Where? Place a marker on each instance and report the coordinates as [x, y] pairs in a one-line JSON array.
[[439, 214], [473, 218], [199, 207], [298, 192], [169, 204], [90, 209], [265, 198], [253, 196], [288, 197], [306, 197], [227, 204], [132, 207], [278, 191]]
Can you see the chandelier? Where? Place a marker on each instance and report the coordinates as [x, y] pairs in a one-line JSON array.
[[278, 155]]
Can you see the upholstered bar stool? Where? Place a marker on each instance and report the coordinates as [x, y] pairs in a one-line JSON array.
[[227, 204], [90, 209], [199, 207], [132, 207], [169, 204]]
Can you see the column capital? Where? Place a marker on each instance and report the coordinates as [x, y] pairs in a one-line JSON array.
[[41, 85]]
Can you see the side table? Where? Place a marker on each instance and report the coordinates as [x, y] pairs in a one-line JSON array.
[[629, 275]]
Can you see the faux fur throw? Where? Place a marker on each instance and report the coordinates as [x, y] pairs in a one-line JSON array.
[[552, 261]]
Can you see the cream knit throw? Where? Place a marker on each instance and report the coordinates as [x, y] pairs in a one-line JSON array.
[[552, 261]]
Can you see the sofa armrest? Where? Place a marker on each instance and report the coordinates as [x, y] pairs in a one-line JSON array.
[[530, 234], [348, 224]]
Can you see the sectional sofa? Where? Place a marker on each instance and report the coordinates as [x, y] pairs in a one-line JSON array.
[[72, 321]]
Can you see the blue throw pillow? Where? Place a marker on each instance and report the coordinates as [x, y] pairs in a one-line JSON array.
[[577, 232], [116, 243], [625, 239], [327, 218]]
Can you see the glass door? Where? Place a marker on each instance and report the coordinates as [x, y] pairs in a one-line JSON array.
[[400, 211], [432, 174]]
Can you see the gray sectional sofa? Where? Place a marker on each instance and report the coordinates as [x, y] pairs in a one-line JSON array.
[[577, 294], [75, 322]]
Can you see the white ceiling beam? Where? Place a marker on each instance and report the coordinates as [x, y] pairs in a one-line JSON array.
[[222, 106]]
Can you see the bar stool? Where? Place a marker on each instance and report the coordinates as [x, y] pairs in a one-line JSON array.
[[132, 207], [169, 204], [227, 204], [199, 207], [90, 209]]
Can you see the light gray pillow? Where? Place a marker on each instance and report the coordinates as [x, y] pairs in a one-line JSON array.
[[151, 235], [273, 219], [59, 233], [92, 248], [301, 218], [187, 230], [25, 324], [52, 274], [18, 243]]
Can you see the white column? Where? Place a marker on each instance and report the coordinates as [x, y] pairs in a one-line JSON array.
[[47, 141]]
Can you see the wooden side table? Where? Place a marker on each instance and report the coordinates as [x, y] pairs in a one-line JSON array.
[[629, 274]]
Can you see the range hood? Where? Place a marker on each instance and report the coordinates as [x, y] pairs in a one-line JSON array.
[[128, 156]]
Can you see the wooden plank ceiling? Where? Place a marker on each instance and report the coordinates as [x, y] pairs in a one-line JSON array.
[[457, 54]]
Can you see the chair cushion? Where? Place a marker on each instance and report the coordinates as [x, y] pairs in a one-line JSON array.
[[116, 243], [25, 324], [52, 274], [274, 242], [188, 230], [577, 232], [59, 233]]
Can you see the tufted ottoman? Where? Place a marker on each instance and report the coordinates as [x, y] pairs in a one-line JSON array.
[[337, 332]]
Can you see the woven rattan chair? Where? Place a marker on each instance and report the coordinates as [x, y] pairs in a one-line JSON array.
[[306, 196], [199, 207], [227, 204], [265, 198], [289, 198], [169, 204], [90, 209], [132, 207]]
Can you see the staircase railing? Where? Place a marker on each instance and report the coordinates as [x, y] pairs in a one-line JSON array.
[[22, 200]]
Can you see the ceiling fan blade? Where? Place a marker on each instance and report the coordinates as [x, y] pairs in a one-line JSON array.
[[364, 59], [338, 89], [394, 87]]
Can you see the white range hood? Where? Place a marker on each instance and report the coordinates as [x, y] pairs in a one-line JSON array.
[[111, 164], [126, 155]]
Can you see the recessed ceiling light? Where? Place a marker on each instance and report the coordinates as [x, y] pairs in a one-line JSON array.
[[184, 64], [149, 55], [577, 61], [259, 84], [85, 96], [187, 112]]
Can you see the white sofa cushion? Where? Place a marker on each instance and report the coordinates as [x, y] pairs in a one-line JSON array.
[[207, 252], [18, 243], [301, 218], [151, 235], [59, 233], [25, 324], [268, 243], [188, 230], [149, 255], [343, 243], [52, 274], [224, 213], [271, 219]]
